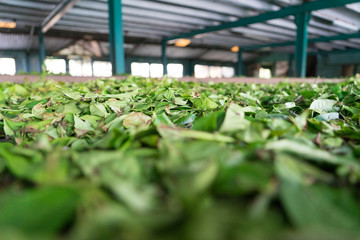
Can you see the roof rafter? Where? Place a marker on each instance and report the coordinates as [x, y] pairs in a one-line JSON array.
[[311, 40], [56, 14], [293, 10]]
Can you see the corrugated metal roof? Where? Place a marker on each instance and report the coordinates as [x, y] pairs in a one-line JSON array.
[[150, 21]]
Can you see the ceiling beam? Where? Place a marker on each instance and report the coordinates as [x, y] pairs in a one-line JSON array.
[[311, 40], [55, 15], [178, 10], [293, 10], [258, 5], [28, 4], [210, 6]]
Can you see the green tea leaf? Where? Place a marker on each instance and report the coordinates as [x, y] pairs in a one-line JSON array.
[[98, 109], [328, 116], [38, 211], [315, 206], [136, 119], [38, 111], [234, 119], [71, 94], [322, 105]]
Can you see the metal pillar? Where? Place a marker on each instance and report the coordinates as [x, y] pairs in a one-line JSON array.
[[273, 69], [191, 69], [356, 67], [239, 64], [116, 37], [67, 66], [188, 68], [27, 62], [42, 52], [128, 66], [291, 65], [319, 63], [163, 56], [302, 22]]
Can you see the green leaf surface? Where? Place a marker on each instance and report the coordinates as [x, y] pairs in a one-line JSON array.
[[143, 158], [315, 206], [71, 94], [322, 105], [98, 109], [234, 119], [38, 211]]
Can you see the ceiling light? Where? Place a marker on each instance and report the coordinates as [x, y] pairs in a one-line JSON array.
[[182, 42], [5, 24], [235, 49]]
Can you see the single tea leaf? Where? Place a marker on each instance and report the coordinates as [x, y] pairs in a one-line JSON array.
[[322, 105], [137, 119], [38, 110], [99, 110]]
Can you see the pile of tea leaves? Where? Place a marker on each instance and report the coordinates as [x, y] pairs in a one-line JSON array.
[[164, 159]]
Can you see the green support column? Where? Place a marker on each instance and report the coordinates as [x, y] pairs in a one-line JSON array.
[[163, 56], [116, 37], [191, 69], [188, 68], [128, 66], [356, 67], [42, 52], [319, 63], [291, 65], [302, 22], [28, 63], [67, 66], [273, 69], [239, 64]]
